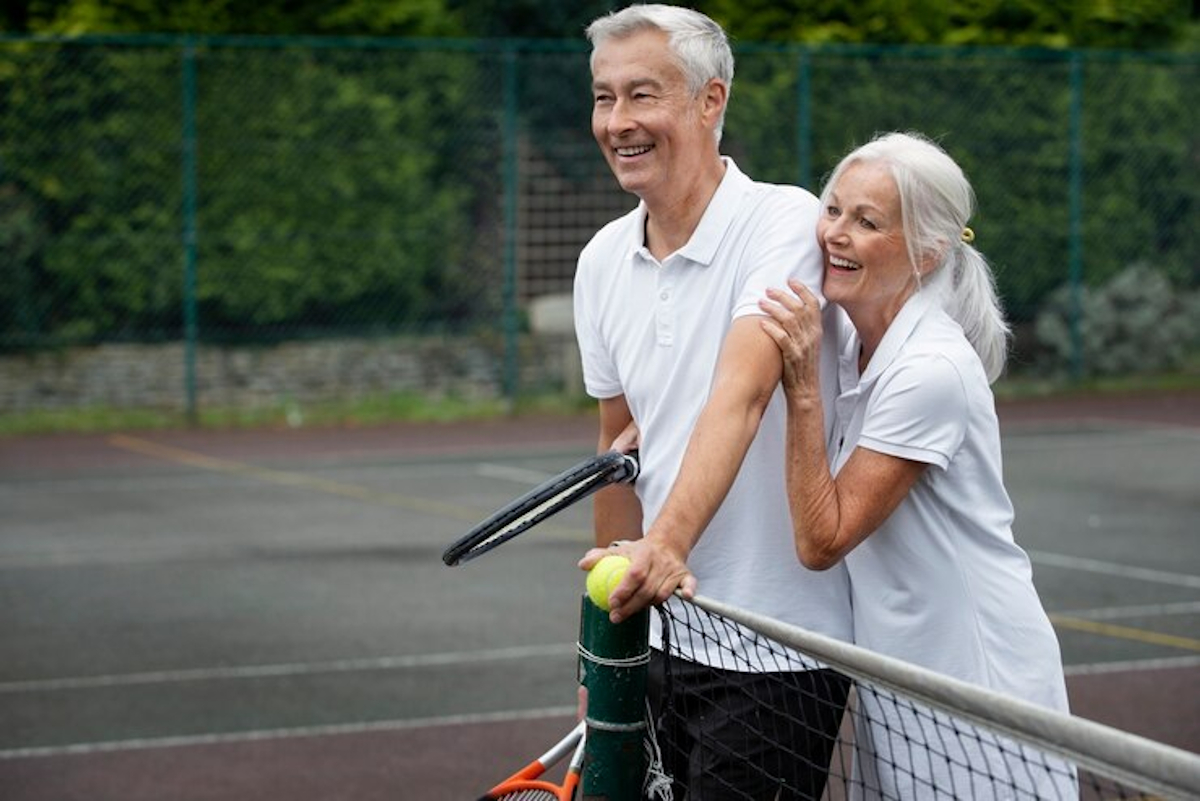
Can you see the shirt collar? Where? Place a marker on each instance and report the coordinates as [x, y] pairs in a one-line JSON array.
[[702, 247], [898, 333]]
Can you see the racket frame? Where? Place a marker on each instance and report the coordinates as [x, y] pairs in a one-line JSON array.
[[527, 778], [568, 487]]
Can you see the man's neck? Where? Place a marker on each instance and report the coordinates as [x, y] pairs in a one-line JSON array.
[[670, 224]]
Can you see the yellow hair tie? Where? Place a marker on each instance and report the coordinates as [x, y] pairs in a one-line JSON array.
[[968, 235]]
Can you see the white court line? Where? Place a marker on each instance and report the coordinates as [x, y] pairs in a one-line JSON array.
[[1132, 666], [1113, 569], [142, 744], [1145, 610], [149, 743], [561, 649], [519, 475], [1102, 432], [291, 669], [1026, 443]]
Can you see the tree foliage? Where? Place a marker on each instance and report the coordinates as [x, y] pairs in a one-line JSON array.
[[359, 184], [238, 17], [1139, 24], [1022, 23]]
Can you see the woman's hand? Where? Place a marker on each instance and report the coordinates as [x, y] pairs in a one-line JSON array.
[[795, 324]]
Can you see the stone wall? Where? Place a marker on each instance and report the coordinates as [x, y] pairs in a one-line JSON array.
[[152, 375]]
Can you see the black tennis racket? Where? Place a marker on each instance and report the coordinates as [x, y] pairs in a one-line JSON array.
[[526, 784], [539, 503]]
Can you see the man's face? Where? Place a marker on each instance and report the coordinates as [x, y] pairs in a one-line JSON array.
[[653, 132]]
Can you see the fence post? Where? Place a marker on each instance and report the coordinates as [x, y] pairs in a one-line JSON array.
[[804, 138], [188, 165], [1075, 253], [612, 666], [511, 146]]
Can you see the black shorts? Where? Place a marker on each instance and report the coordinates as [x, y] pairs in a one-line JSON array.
[[731, 735]]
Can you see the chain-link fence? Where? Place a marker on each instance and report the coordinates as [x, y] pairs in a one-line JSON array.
[[225, 196]]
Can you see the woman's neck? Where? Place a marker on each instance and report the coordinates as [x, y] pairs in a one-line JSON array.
[[872, 324]]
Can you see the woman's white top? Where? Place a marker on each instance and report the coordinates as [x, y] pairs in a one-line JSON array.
[[941, 583]]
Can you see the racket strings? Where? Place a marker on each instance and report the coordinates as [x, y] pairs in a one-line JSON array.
[[530, 794], [544, 509], [535, 506]]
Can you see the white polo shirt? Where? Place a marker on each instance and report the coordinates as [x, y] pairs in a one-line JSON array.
[[942, 583], [653, 331]]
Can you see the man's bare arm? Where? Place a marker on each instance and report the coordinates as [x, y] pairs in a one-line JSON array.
[[617, 512], [747, 374]]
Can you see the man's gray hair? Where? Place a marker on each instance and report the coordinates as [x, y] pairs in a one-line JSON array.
[[699, 45]]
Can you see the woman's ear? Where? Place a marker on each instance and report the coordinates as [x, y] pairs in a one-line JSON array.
[[931, 258]]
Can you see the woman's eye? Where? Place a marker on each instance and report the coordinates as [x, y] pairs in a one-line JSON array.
[[832, 211], [865, 223]]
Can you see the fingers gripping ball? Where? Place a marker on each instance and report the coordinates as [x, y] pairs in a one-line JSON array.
[[604, 577]]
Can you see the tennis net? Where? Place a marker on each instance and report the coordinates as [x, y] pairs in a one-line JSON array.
[[806, 716]]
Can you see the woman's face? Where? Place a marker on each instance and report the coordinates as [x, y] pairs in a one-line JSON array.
[[861, 231]]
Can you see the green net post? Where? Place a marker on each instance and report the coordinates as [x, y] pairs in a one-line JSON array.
[[612, 666]]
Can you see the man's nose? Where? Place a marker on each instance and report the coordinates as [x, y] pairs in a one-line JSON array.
[[619, 119]]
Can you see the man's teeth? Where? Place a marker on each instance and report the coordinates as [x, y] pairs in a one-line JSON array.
[[844, 264], [634, 151]]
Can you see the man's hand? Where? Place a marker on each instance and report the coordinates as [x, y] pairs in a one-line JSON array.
[[628, 440], [654, 573]]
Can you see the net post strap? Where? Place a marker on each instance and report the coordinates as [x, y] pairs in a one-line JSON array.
[[621, 662]]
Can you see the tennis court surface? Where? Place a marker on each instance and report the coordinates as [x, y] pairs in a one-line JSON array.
[[216, 615]]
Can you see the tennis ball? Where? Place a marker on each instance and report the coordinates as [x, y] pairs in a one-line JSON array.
[[604, 577]]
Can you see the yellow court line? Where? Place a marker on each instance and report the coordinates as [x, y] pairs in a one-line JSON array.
[[282, 477], [1125, 632]]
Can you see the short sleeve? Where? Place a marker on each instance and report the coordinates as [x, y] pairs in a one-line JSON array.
[[600, 376], [918, 411], [783, 246]]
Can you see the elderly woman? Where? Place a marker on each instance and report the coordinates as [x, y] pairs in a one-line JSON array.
[[908, 489]]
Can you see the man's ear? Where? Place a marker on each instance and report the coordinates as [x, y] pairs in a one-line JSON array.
[[715, 96]]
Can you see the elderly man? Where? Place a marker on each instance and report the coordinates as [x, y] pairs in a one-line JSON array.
[[669, 328]]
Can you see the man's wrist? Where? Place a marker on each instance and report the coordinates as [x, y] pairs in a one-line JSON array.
[[667, 539]]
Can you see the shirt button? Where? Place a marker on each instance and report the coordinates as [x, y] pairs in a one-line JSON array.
[[664, 295]]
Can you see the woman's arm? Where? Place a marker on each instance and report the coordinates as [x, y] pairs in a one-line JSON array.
[[830, 517]]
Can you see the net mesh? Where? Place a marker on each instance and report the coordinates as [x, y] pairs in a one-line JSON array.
[[769, 720]]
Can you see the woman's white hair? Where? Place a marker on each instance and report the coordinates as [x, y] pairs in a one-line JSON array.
[[936, 201], [698, 44]]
